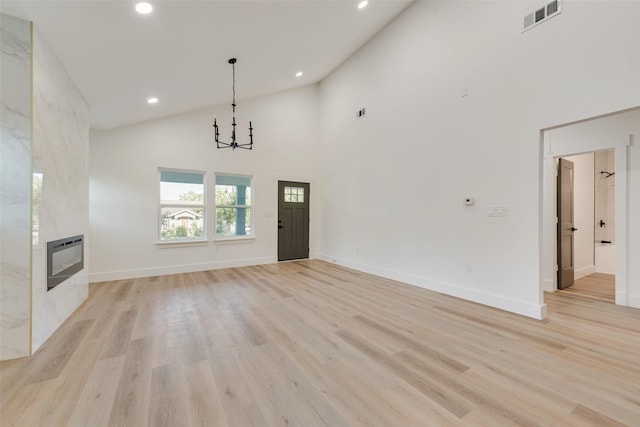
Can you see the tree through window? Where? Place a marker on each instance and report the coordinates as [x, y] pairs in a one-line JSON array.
[[233, 206]]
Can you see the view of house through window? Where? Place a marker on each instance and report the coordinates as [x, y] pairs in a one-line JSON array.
[[182, 208], [233, 206]]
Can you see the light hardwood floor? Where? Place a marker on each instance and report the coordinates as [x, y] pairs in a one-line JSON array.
[[596, 286], [313, 344]]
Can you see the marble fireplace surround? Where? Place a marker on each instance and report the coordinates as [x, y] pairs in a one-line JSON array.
[[45, 187]]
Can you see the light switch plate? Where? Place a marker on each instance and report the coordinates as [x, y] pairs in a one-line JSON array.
[[498, 211]]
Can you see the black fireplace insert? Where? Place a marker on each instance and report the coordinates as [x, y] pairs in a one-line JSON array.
[[65, 257]]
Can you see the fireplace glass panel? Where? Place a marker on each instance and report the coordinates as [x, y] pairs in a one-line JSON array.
[[65, 257]]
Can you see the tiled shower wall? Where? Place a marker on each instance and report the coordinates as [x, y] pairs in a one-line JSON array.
[[605, 196]]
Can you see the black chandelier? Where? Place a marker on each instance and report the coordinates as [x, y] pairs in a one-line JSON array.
[[233, 144]]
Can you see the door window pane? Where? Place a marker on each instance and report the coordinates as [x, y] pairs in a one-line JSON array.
[[294, 194]]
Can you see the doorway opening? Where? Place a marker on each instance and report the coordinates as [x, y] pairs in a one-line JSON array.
[[613, 134], [586, 225]]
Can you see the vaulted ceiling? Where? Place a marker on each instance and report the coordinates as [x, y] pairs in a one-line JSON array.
[[179, 52]]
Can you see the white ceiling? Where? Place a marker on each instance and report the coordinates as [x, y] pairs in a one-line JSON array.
[[118, 58]]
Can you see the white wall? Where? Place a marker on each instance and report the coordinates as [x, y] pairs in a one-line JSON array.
[[60, 152], [15, 188], [620, 132], [584, 208], [394, 181], [124, 182], [456, 98]]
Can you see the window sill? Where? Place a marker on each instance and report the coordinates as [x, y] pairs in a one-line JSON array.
[[180, 243], [227, 240]]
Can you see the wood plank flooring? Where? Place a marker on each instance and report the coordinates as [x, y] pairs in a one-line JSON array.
[[596, 286], [312, 344]]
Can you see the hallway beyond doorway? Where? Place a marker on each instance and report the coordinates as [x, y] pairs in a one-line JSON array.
[[596, 286]]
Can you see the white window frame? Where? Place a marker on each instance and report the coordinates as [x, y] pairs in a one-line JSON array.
[[249, 206], [187, 240]]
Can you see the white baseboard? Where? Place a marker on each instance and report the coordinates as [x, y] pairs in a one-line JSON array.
[[493, 300], [632, 300], [176, 269], [535, 311], [549, 285], [584, 271]]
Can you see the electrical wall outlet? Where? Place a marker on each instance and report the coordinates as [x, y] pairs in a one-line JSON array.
[[361, 113]]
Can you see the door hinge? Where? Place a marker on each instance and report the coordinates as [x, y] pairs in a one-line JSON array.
[[556, 267]]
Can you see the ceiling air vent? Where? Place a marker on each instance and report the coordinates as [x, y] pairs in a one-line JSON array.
[[542, 14]]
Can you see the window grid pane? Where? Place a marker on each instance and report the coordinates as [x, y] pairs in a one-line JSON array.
[[181, 223], [182, 209], [229, 222], [181, 193], [294, 194], [233, 197]]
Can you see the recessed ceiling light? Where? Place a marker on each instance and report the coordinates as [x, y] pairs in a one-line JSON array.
[[362, 4], [144, 8], [299, 73], [152, 100]]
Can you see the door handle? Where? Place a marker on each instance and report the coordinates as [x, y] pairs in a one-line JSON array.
[[573, 229]]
